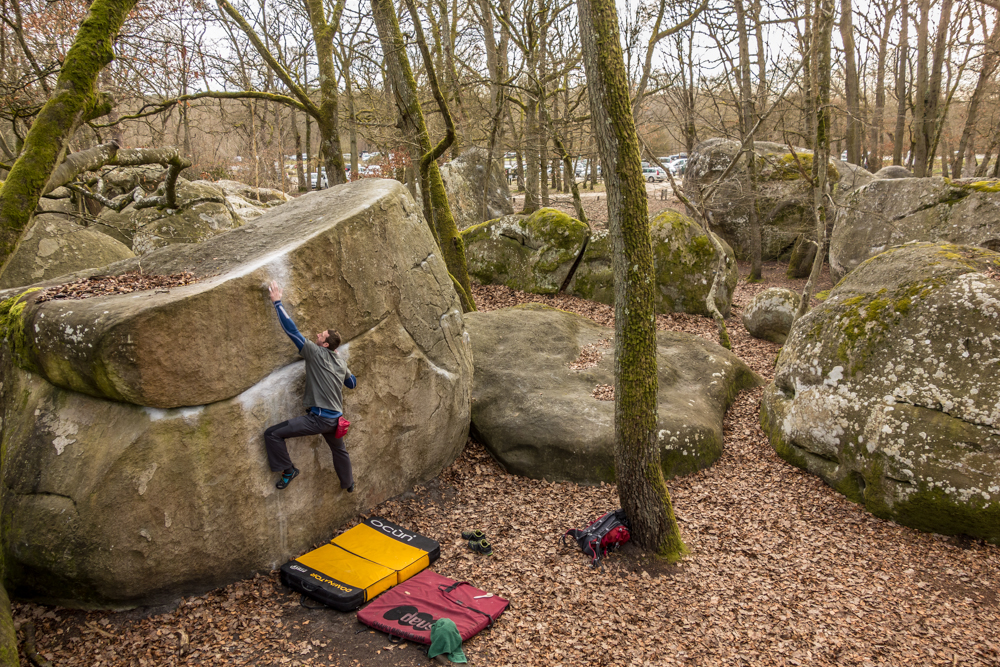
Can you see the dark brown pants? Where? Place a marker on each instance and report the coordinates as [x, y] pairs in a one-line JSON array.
[[310, 424]]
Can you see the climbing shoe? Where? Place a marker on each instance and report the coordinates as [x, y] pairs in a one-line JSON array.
[[287, 477], [481, 547], [473, 534]]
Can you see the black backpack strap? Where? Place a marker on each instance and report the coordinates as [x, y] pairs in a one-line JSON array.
[[445, 591], [572, 532]]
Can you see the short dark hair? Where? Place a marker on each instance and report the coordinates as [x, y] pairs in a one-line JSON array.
[[333, 338]]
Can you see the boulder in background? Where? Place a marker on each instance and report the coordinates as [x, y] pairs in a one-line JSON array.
[[469, 189]]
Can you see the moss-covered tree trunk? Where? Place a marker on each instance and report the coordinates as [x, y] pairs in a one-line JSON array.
[[404, 88], [327, 120], [641, 488], [75, 100], [819, 76], [747, 129]]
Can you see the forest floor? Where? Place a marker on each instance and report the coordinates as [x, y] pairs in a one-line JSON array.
[[782, 570]]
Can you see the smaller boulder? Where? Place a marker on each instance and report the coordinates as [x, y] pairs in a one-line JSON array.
[[468, 188], [684, 261], [532, 253], [893, 171], [769, 315], [54, 246], [59, 201], [248, 202], [540, 400], [265, 196], [203, 212]]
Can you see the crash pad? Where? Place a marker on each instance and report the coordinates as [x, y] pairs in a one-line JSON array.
[[360, 563]]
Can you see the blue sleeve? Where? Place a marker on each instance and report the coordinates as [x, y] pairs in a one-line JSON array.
[[350, 381], [288, 326]]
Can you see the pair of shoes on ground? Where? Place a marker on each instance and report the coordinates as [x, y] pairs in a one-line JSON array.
[[478, 542], [286, 478]]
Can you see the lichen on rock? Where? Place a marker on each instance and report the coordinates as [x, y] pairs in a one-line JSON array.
[[894, 211], [887, 390]]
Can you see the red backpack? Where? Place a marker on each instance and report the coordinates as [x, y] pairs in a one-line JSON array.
[[606, 533]]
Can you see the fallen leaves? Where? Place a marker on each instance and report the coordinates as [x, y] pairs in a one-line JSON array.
[[590, 355], [603, 392], [126, 283]]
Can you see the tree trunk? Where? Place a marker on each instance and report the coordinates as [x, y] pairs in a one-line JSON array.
[[901, 58], [989, 66], [75, 100], [746, 130], [533, 168], [300, 173], [404, 87], [851, 92], [641, 488], [820, 76], [327, 120], [878, 118]]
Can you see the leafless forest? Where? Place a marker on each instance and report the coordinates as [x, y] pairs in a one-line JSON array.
[[243, 89]]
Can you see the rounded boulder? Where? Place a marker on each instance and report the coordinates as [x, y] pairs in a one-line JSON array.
[[54, 246], [887, 389], [769, 314]]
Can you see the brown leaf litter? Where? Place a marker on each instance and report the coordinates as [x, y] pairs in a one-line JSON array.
[[126, 283], [782, 570]]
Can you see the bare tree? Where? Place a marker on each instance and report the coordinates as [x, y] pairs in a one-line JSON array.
[[641, 488]]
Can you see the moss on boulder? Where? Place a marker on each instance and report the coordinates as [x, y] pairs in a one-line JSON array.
[[887, 390], [532, 253], [684, 262]]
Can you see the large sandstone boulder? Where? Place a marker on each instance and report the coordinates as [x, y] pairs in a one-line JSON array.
[[891, 212], [769, 314], [684, 261], [203, 212], [152, 482], [533, 253], [53, 246], [784, 196], [468, 188], [888, 389], [533, 405]]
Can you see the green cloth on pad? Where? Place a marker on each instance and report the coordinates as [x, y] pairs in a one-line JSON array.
[[446, 641]]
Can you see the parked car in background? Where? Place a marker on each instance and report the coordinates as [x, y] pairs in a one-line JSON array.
[[678, 166], [654, 174], [323, 183]]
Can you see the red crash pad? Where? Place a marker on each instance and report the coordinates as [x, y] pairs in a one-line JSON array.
[[410, 609]]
